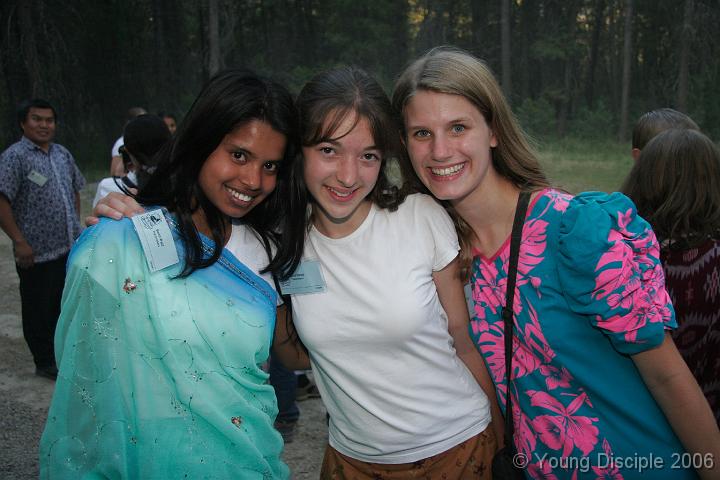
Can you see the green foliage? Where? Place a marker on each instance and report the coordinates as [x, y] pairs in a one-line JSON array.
[[596, 124], [537, 117], [93, 59]]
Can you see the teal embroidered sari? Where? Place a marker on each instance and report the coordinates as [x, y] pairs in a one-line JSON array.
[[160, 377]]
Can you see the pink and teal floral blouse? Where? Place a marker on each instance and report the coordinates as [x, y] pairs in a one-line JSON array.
[[590, 294]]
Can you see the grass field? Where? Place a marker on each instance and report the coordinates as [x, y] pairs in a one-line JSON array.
[[577, 166]]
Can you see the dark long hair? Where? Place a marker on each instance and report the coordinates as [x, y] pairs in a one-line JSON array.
[[228, 100], [324, 102], [674, 185]]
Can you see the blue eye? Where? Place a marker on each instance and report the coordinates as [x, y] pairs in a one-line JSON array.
[[458, 128], [422, 134]]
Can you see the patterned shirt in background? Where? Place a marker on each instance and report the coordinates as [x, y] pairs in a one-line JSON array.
[[44, 213], [693, 280], [590, 294]]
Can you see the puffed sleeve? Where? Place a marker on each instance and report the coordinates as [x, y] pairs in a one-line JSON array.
[[610, 271]]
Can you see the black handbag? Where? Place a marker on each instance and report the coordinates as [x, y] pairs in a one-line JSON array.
[[507, 464]]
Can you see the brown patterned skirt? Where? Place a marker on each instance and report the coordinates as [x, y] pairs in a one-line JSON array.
[[469, 460]]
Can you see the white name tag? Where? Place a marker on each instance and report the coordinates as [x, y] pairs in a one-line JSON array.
[[308, 278], [156, 239], [37, 178]]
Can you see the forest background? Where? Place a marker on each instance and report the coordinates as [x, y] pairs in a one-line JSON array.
[[578, 73]]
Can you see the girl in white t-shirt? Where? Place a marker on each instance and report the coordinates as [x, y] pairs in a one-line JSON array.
[[377, 300]]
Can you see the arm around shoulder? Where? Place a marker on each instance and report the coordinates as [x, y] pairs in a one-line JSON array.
[[451, 295], [286, 345]]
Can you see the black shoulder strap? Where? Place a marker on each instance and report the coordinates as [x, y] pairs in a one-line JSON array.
[[128, 182], [507, 311]]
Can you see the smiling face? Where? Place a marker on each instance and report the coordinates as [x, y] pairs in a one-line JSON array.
[[242, 171], [39, 126], [340, 173], [449, 143]]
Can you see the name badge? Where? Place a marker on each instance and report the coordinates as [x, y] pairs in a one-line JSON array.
[[307, 278], [156, 239], [37, 178]]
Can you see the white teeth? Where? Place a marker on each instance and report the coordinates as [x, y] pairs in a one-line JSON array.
[[340, 194], [448, 170], [239, 196]]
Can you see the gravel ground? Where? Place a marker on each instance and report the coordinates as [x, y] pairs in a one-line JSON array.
[[25, 397]]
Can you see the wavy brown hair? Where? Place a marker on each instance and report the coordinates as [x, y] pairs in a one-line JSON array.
[[674, 185], [456, 72]]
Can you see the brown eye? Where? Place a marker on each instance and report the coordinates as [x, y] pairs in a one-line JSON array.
[[271, 167]]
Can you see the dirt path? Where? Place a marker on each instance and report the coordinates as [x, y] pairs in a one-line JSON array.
[[25, 397]]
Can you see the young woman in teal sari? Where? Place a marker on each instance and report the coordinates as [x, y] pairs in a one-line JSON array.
[[160, 371]]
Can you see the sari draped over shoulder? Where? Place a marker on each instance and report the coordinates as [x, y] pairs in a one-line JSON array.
[[160, 377]]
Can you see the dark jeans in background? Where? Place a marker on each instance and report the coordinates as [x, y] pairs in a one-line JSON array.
[[284, 382], [41, 288]]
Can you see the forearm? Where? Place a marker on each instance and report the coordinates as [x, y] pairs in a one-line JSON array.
[[450, 292], [7, 222], [287, 348], [117, 169], [472, 359], [680, 398]]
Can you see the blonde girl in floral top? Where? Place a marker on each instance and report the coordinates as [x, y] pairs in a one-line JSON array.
[[598, 388]]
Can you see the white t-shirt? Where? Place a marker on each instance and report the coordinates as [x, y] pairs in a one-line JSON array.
[[378, 338], [245, 244], [107, 185], [115, 152]]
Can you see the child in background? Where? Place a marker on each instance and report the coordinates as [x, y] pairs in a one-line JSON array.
[[675, 187], [655, 121], [144, 136]]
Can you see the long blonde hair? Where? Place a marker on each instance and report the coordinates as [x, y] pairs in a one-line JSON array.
[[456, 72]]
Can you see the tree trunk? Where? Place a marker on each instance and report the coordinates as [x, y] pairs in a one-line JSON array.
[[505, 46], [627, 62], [213, 36], [479, 22], [570, 14], [28, 27], [685, 41], [599, 11], [528, 81]]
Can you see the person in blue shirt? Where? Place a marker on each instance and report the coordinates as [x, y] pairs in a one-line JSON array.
[[39, 211]]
